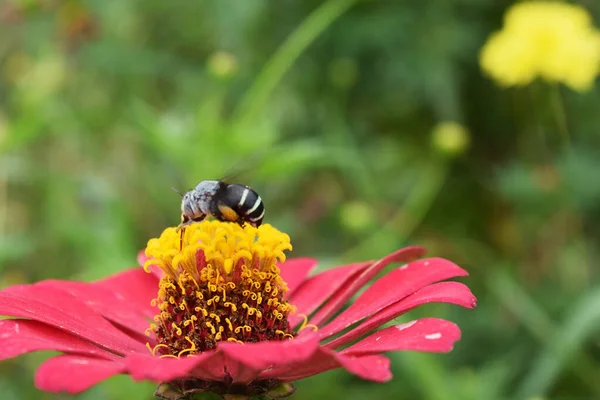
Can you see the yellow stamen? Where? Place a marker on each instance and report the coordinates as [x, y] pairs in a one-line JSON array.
[[229, 324], [177, 328], [211, 326], [312, 326], [218, 335], [190, 350], [215, 317], [284, 334], [244, 327], [158, 346], [305, 324]]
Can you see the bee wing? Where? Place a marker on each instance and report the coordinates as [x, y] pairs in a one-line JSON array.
[[242, 170]]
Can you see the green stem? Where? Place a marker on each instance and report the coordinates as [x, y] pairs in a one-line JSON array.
[[561, 115], [285, 57], [540, 325], [533, 317], [3, 199]]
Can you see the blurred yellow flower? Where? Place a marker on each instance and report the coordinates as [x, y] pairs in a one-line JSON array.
[[223, 64], [548, 39], [450, 138]]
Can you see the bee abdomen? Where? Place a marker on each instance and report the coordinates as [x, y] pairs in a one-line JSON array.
[[251, 206], [257, 212]]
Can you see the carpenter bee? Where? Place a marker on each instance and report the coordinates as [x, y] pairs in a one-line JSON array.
[[223, 201]]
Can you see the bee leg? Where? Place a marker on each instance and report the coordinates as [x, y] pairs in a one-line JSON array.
[[185, 221], [226, 214], [181, 230], [181, 234]]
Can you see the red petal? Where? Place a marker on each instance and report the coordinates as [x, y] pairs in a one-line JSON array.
[[134, 286], [154, 269], [74, 374], [62, 310], [314, 291], [208, 366], [392, 288], [109, 303], [373, 367], [223, 365], [427, 334], [20, 336], [345, 293], [258, 357], [243, 362], [142, 257], [443, 292], [295, 271]]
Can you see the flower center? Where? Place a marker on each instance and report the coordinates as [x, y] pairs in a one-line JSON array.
[[221, 282]]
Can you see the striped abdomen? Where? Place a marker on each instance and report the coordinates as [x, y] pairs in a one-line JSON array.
[[247, 203]]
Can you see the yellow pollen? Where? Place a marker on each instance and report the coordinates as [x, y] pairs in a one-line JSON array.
[[212, 271], [228, 266]]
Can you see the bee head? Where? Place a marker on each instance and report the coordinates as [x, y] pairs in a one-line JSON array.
[[186, 204]]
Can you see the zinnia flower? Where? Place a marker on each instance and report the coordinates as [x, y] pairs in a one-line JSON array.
[[230, 316], [548, 39]]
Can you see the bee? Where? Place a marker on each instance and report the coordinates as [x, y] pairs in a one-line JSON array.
[[223, 201]]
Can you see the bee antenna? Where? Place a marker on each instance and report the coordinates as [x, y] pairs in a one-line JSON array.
[[177, 191]]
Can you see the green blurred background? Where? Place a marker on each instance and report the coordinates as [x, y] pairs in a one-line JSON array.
[[332, 111]]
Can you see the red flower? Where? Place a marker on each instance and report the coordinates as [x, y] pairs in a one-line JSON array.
[[102, 327]]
